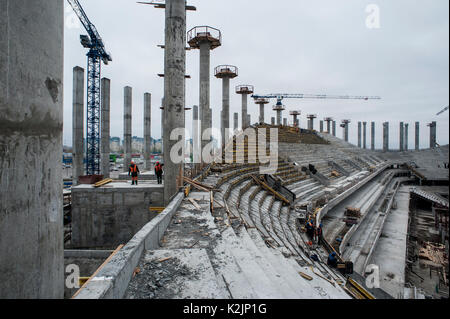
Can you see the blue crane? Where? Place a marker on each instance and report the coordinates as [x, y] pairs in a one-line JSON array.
[[96, 55]]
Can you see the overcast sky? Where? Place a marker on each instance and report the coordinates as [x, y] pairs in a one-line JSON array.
[[289, 46]]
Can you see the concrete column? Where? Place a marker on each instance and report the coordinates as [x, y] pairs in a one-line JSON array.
[[433, 135], [226, 109], [195, 136], [78, 124], [359, 134], [406, 136], [417, 141], [147, 131], [386, 137], [210, 121], [321, 126], [329, 127], [127, 130], [272, 121], [285, 121], [244, 112], [236, 121], [279, 116], [105, 127], [174, 92], [402, 134], [365, 135], [249, 120], [372, 136], [31, 135], [261, 113], [334, 128], [311, 124], [346, 132], [205, 67]]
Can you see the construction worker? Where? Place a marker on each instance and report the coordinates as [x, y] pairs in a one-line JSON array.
[[332, 260], [310, 229], [133, 171], [319, 234], [159, 172]]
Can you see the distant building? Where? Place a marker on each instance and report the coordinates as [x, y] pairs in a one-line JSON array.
[[114, 144]]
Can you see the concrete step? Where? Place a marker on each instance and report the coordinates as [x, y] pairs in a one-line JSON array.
[[252, 271], [187, 274]]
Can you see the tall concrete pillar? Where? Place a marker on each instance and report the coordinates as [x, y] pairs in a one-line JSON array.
[[147, 131], [359, 134], [385, 136], [245, 90], [272, 121], [402, 134], [334, 128], [196, 145], [406, 136], [225, 114], [285, 122], [329, 126], [227, 72], [279, 108], [205, 62], [365, 135], [105, 127], [311, 118], [78, 124], [321, 126], [205, 39], [174, 93], [432, 126], [279, 117], [372, 136], [261, 103], [345, 126], [249, 120], [236, 121], [31, 135], [417, 133], [127, 126]]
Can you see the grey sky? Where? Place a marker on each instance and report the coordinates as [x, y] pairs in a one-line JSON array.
[[291, 46]]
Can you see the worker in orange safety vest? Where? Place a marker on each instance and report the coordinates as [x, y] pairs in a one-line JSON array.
[[133, 171]]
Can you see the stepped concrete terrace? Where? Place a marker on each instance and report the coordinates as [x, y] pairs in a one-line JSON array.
[[247, 243]]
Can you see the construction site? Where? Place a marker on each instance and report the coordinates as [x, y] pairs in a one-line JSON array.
[[275, 203]]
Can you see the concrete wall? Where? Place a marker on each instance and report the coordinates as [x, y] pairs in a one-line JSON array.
[[108, 217], [31, 122], [119, 270]]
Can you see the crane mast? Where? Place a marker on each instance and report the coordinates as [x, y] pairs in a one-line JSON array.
[[96, 55]]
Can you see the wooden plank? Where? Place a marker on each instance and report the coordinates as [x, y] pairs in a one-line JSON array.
[[307, 277], [98, 270], [103, 182], [193, 202]]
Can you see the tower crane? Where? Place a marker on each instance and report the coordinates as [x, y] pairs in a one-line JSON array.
[[281, 96], [445, 109], [96, 55]]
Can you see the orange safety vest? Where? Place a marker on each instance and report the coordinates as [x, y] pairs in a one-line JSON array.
[[158, 168], [133, 168]]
